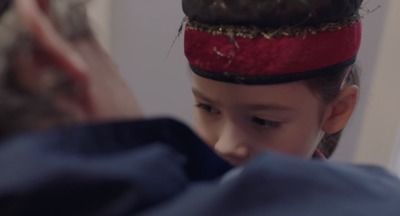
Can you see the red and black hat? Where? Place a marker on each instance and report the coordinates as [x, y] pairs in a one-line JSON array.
[[271, 41]]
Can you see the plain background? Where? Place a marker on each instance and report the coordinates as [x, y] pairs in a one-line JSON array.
[[140, 33]]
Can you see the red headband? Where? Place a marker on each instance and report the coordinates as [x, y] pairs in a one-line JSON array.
[[281, 56]]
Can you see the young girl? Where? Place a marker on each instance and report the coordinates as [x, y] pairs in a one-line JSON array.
[[272, 75]]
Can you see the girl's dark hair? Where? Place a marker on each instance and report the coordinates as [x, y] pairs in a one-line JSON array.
[[328, 88]]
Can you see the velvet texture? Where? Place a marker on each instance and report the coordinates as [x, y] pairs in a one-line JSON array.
[[277, 56]]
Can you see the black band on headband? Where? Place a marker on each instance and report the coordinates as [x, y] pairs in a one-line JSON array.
[[273, 79]]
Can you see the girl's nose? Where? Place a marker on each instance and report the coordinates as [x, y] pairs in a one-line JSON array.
[[233, 146]]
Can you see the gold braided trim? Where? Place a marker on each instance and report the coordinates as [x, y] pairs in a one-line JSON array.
[[269, 33]]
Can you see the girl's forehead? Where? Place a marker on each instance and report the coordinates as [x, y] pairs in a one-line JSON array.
[[284, 95]]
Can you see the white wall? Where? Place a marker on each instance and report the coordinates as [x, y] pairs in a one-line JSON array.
[[142, 33], [143, 30], [373, 28], [382, 117], [396, 156]]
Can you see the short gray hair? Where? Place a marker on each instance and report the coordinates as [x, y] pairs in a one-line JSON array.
[[20, 110]]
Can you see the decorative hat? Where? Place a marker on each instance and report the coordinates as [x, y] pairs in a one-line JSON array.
[[270, 41]]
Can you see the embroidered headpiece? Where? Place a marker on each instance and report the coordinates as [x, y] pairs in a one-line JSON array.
[[270, 41]]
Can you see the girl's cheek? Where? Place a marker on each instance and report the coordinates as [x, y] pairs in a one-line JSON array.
[[204, 131]]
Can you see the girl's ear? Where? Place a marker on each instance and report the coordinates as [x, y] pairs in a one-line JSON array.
[[339, 112], [35, 15]]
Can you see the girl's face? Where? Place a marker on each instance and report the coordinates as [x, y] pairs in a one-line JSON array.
[[240, 121]]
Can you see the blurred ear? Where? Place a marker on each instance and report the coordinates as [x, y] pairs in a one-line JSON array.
[[340, 111], [35, 16]]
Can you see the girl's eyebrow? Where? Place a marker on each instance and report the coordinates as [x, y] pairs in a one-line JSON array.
[[256, 107], [202, 96], [268, 107]]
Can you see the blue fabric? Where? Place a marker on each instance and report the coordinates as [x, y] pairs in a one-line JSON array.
[[278, 185], [108, 169], [159, 167]]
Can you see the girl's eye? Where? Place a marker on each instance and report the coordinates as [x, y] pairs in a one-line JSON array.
[[267, 123], [207, 108]]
